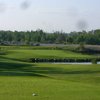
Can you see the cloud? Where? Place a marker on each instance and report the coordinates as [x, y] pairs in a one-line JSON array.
[[72, 12], [3, 7], [25, 4]]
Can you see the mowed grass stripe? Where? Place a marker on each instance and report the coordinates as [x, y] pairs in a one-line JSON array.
[[46, 89], [25, 54]]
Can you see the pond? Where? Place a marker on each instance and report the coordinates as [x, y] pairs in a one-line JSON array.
[[83, 63]]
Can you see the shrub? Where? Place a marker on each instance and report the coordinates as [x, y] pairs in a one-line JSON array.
[[94, 61]]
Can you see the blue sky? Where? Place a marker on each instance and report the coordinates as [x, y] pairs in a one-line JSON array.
[[49, 15]]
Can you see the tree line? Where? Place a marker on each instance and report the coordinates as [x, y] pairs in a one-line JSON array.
[[39, 36]]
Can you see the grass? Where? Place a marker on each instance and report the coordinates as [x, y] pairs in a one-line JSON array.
[[49, 81], [19, 80], [22, 88], [27, 54]]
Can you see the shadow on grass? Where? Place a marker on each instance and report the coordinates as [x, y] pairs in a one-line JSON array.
[[55, 70], [14, 59], [24, 69], [17, 69]]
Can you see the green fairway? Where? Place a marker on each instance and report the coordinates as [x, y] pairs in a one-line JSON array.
[[26, 54], [19, 80], [22, 88], [49, 81]]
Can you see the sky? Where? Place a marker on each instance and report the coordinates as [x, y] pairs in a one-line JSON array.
[[50, 15]]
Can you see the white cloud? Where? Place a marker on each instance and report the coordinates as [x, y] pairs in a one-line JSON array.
[[3, 7]]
